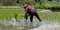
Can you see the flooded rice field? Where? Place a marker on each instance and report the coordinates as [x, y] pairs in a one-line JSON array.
[[22, 24]]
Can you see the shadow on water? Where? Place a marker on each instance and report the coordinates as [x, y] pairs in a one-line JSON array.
[[24, 25]]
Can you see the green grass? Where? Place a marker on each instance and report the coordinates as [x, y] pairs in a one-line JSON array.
[[10, 13], [7, 14], [56, 10]]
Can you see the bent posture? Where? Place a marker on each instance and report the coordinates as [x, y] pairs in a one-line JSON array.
[[30, 11]]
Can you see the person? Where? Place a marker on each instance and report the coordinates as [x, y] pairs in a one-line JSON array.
[[30, 11]]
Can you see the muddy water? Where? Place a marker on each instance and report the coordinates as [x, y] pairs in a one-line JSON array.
[[22, 24]]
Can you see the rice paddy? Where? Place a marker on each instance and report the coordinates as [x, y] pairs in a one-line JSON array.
[[6, 15]]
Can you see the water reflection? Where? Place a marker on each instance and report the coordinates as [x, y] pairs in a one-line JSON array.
[[17, 25], [24, 25]]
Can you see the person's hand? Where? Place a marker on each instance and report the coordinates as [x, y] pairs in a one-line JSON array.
[[26, 16]]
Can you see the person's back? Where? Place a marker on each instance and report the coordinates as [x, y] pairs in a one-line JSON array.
[[32, 9]]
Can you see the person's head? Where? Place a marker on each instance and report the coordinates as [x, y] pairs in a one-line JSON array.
[[25, 5]]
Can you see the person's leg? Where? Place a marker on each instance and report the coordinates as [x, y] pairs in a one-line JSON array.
[[37, 16], [31, 18]]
